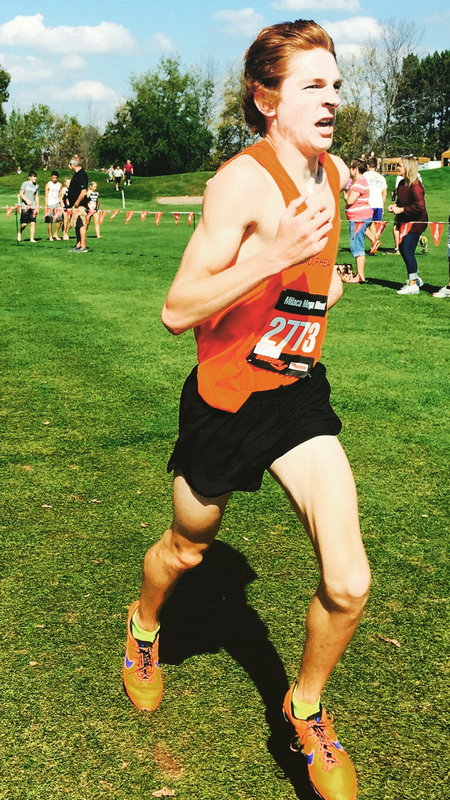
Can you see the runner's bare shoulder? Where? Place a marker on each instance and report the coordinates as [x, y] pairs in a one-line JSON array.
[[237, 192]]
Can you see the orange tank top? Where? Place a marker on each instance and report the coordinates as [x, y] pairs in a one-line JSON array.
[[273, 334]]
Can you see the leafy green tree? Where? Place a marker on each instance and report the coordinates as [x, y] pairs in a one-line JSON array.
[[162, 128], [422, 109], [5, 79], [233, 134], [352, 132], [4, 96]]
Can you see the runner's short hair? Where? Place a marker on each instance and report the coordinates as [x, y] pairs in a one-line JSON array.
[[31, 173], [267, 62]]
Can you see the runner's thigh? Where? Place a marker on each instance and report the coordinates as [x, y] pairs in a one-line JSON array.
[[317, 478], [195, 518]]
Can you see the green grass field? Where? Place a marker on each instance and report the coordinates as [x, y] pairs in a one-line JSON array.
[[90, 387]]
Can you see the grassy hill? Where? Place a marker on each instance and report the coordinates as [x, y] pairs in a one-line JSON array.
[[142, 190]]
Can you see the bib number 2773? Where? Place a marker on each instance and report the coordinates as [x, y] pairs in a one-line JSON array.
[[291, 342]]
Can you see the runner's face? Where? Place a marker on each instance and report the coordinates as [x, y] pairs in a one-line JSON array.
[[306, 109]]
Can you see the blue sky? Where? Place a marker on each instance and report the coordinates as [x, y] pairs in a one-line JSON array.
[[78, 60]]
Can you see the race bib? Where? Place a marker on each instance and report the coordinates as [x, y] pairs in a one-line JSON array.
[[292, 340]]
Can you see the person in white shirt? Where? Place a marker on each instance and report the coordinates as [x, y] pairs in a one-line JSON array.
[[118, 175], [53, 209], [377, 199]]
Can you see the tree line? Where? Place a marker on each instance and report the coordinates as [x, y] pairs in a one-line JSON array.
[[393, 101], [181, 119]]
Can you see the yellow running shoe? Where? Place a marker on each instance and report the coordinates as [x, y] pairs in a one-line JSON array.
[[330, 770], [141, 673]]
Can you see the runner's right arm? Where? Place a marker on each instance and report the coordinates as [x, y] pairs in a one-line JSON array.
[[205, 284]]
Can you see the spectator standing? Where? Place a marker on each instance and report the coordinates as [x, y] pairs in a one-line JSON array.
[[118, 175], [52, 203], [46, 157], [395, 231], [78, 202], [359, 214], [94, 208], [64, 202], [445, 291], [128, 172], [410, 207], [29, 194], [110, 178], [377, 199]]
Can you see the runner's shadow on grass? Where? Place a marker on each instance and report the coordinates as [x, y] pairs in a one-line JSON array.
[[209, 611]]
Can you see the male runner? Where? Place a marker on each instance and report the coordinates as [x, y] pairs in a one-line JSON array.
[[255, 283]]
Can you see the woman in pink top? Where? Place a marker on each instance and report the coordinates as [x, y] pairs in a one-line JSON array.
[[359, 214]]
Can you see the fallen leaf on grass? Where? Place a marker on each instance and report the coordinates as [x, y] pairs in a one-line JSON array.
[[73, 466], [46, 423], [95, 500], [164, 792], [144, 524], [389, 641], [124, 765], [33, 663], [46, 506], [27, 467]]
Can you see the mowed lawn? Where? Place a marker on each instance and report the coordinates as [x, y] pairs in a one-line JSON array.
[[90, 388]]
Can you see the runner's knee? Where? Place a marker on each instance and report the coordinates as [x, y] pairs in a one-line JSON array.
[[350, 592], [183, 551]]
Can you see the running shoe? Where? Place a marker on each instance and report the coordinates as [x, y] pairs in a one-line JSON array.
[[409, 288], [444, 292], [330, 770], [141, 673]]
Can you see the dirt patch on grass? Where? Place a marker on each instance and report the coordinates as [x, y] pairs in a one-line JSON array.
[[178, 201]]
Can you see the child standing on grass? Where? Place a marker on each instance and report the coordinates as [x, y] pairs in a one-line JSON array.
[[64, 201], [94, 208]]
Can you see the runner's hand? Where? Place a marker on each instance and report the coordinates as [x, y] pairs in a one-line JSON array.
[[301, 236]]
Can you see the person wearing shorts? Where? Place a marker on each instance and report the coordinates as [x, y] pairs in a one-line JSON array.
[[53, 208], [359, 215], [118, 175], [78, 203], [29, 195], [255, 283], [377, 200]]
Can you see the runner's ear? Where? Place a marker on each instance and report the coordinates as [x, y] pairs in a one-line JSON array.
[[265, 101]]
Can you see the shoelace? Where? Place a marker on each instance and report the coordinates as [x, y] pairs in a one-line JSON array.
[[145, 662], [326, 744]]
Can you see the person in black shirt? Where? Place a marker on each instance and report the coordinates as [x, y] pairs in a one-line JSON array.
[[78, 202]]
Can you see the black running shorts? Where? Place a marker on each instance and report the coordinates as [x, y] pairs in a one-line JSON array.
[[221, 451]]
